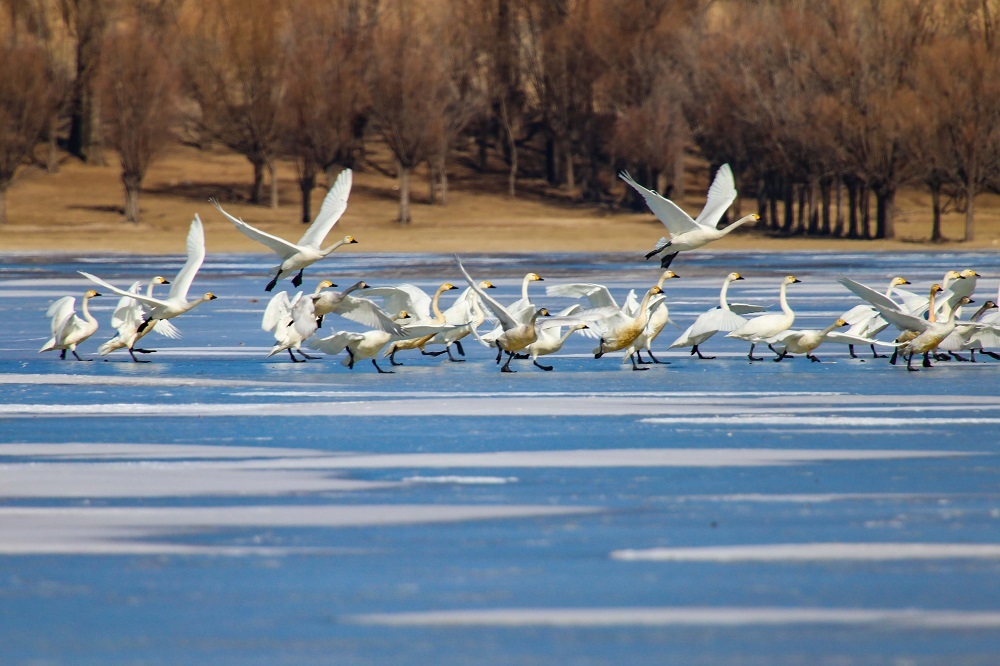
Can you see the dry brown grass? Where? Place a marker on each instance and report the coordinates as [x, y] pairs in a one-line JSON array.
[[79, 209]]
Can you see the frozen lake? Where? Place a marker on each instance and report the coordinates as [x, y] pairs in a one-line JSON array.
[[214, 506]]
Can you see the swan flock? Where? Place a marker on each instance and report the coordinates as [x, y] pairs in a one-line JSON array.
[[401, 318]]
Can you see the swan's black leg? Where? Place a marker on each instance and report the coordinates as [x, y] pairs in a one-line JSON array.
[[812, 358], [782, 354], [909, 361], [927, 360], [452, 358], [958, 357], [132, 354], [292, 356], [433, 353], [875, 354], [392, 357], [600, 349], [655, 360], [751, 356], [695, 350], [78, 357], [297, 280], [667, 258], [380, 370], [990, 354], [63, 355], [895, 355], [458, 345], [638, 358], [506, 366], [273, 282], [850, 348], [350, 354], [305, 355], [543, 367], [319, 321], [634, 366], [499, 354]]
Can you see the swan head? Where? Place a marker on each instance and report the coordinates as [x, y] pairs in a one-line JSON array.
[[209, 296], [324, 284], [953, 275], [159, 279], [840, 323], [791, 279], [969, 273], [732, 277], [534, 277], [669, 275], [543, 312], [899, 281], [403, 314], [989, 305], [486, 284], [654, 290], [935, 288], [91, 293], [965, 300], [348, 240], [447, 286]]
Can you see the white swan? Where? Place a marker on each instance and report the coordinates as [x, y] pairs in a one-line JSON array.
[[368, 344], [659, 316], [866, 322], [767, 326], [620, 331], [551, 340], [971, 338], [292, 322], [932, 333], [295, 257], [68, 328], [687, 233], [176, 303], [723, 318], [128, 317], [807, 341], [355, 308], [418, 342], [467, 308], [522, 309]]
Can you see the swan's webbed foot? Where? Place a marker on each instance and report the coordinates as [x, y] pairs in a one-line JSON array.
[[600, 349], [909, 366], [751, 356], [81, 359], [875, 354], [452, 358], [273, 283], [638, 358], [506, 366], [656, 360], [297, 280], [307, 356], [292, 356], [927, 360], [634, 366], [392, 359], [850, 348], [543, 367], [894, 357], [433, 353], [781, 354], [958, 357], [667, 258], [941, 357], [458, 346], [990, 354], [132, 354], [695, 350], [812, 358], [380, 370]]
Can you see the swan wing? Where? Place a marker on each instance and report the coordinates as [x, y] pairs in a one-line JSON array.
[[166, 329], [61, 311], [142, 298], [597, 294], [336, 343], [128, 310], [368, 313], [912, 303], [195, 256], [278, 310], [493, 305], [334, 205], [666, 211], [717, 320], [279, 246], [746, 308], [401, 297], [721, 196], [866, 293], [304, 317]]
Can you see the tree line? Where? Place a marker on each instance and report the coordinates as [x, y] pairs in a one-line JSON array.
[[823, 108]]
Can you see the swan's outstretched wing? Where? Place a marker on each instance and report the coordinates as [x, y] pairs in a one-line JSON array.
[[128, 310], [717, 320], [142, 298], [195, 256], [401, 297], [666, 211], [912, 303], [166, 329], [876, 298], [279, 246], [61, 311], [336, 343], [597, 294], [304, 317], [721, 196], [278, 311], [494, 306], [849, 339], [368, 313], [334, 205]]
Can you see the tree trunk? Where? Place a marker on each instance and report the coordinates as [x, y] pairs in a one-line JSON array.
[[570, 173], [443, 183], [936, 236], [803, 223], [824, 195], [551, 162], [404, 194], [863, 201], [52, 155], [852, 209], [885, 225], [257, 193], [272, 173], [772, 196], [970, 211], [431, 183], [838, 228], [307, 181], [789, 208], [132, 184], [3, 203]]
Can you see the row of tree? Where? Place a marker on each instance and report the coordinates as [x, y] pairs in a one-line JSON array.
[[819, 106]]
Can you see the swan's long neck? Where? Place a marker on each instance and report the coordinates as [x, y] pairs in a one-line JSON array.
[[931, 309], [782, 298], [737, 224], [826, 331], [149, 289], [524, 288], [85, 309], [565, 336], [328, 250], [643, 314], [723, 303], [435, 309], [353, 287], [981, 311]]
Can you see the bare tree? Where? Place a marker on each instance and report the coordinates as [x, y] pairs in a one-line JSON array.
[[234, 67], [87, 21], [138, 83], [28, 99], [325, 109], [410, 86]]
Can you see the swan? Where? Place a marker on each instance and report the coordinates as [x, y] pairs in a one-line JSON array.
[[971, 338], [931, 334], [466, 308], [436, 317], [292, 322], [806, 341], [176, 303], [659, 316], [352, 307], [516, 335], [521, 309], [127, 319], [866, 322], [767, 326], [723, 318], [685, 233], [619, 331], [68, 328], [296, 257], [368, 344], [550, 340]]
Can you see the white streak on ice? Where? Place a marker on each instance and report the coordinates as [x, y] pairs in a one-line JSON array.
[[687, 617], [88, 451], [814, 552], [462, 480], [790, 421]]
